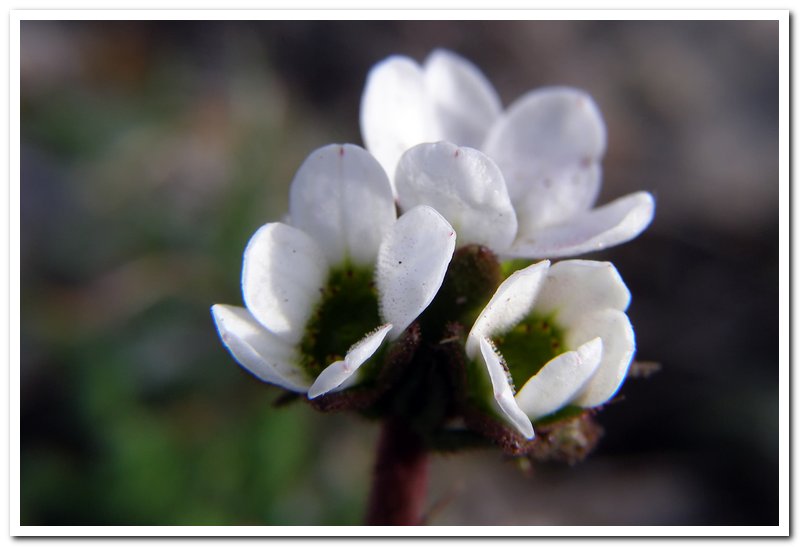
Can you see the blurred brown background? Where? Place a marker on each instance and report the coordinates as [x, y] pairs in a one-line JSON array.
[[151, 151]]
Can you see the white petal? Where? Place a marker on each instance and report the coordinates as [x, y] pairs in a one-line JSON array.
[[395, 111], [465, 105], [412, 261], [462, 184], [553, 197], [282, 275], [511, 302], [502, 391], [364, 348], [549, 144], [557, 383], [332, 377], [577, 287], [257, 350], [342, 198], [336, 375], [609, 225], [619, 345], [562, 124]]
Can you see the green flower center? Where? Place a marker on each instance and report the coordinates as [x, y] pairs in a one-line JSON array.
[[529, 346], [347, 311]]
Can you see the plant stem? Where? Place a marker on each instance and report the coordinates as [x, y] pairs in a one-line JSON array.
[[400, 479]]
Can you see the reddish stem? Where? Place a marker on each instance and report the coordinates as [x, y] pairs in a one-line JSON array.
[[401, 477]]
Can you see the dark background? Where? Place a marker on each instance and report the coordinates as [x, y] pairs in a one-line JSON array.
[[150, 152]]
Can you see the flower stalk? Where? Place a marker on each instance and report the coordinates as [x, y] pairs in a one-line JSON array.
[[400, 479]]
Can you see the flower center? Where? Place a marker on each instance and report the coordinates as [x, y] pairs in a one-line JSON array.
[[529, 346], [347, 311]]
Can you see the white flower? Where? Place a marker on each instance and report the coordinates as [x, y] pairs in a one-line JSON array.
[[344, 252], [559, 334], [548, 146]]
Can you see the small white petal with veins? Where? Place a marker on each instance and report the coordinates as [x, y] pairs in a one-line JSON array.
[[465, 104], [412, 261], [335, 375], [574, 288], [395, 111], [560, 380], [404, 104], [282, 274], [462, 184], [502, 390], [546, 196], [619, 345], [511, 302], [261, 353], [548, 133], [343, 199], [606, 226]]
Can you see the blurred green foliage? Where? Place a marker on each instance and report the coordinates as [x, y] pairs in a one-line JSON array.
[[140, 190]]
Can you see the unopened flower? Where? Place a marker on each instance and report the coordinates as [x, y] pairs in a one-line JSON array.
[[548, 146], [552, 337], [324, 293]]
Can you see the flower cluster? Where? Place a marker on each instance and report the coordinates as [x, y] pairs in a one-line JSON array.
[[417, 256]]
